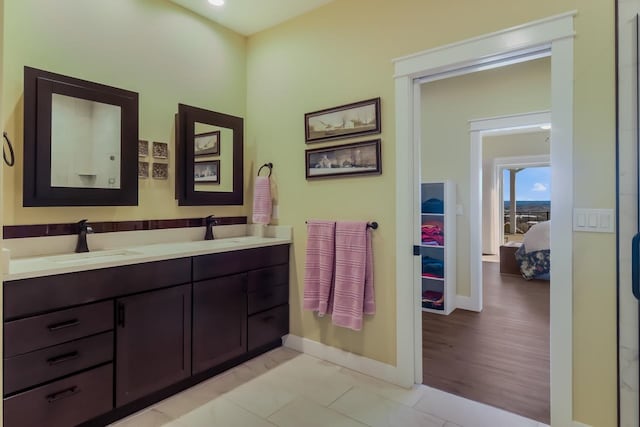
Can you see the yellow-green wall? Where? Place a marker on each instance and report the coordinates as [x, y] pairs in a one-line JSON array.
[[342, 53], [447, 107], [154, 47], [339, 53]]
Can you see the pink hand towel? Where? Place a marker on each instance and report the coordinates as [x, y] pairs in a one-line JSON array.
[[353, 288], [318, 270], [262, 200]]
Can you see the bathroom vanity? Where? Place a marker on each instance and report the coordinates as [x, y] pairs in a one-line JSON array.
[[89, 342]]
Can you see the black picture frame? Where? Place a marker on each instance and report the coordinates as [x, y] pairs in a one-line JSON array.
[[202, 172], [204, 138], [355, 159], [346, 121]]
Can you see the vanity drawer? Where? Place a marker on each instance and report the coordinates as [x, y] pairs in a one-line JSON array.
[[36, 295], [268, 297], [63, 403], [267, 326], [226, 263], [27, 370], [32, 333], [268, 277]]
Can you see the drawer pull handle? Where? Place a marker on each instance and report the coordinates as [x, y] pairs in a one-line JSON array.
[[63, 325], [268, 318], [54, 397], [63, 358]]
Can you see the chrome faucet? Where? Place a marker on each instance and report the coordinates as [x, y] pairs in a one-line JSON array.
[[209, 223], [83, 229]]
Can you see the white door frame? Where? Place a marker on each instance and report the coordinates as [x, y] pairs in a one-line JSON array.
[[556, 32], [497, 205], [478, 129]]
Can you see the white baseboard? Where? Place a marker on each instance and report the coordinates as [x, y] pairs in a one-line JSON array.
[[579, 424], [465, 303], [351, 361]]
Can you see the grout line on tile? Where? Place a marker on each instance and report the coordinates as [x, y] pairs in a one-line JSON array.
[[250, 411], [337, 398]]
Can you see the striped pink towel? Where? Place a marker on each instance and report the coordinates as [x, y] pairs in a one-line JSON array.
[[262, 200], [353, 288], [318, 270]]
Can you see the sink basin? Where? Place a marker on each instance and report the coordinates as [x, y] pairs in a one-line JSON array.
[[217, 243], [90, 257], [244, 239]]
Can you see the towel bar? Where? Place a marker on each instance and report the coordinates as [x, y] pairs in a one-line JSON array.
[[372, 225]]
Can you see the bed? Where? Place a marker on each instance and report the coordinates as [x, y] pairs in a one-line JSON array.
[[534, 255]]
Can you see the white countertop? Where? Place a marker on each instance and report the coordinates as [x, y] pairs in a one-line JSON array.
[[46, 265]]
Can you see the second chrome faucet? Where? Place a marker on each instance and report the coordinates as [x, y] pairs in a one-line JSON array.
[[210, 221]]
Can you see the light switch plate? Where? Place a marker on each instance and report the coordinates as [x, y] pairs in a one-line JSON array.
[[593, 220]]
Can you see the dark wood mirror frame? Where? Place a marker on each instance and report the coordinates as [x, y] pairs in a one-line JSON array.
[[39, 86], [185, 189]]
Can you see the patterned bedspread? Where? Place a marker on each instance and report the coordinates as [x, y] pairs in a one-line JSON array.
[[534, 265]]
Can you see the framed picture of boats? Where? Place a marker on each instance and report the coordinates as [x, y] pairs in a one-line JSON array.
[[345, 121], [341, 160]]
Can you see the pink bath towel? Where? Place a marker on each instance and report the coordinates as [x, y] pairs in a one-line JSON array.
[[319, 265], [353, 284], [262, 200]]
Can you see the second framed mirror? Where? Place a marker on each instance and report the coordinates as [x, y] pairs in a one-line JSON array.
[[209, 161]]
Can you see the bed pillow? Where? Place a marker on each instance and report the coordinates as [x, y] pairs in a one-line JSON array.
[[537, 237]]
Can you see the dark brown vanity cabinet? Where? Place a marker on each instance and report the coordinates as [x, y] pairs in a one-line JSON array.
[[94, 346], [219, 321], [266, 274], [153, 342], [267, 302], [62, 343], [58, 368]]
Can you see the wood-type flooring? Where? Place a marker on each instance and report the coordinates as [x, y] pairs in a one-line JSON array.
[[499, 356]]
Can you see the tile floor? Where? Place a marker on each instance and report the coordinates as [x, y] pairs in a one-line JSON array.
[[285, 388]]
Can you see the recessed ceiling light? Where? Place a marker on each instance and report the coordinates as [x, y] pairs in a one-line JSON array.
[[216, 2], [545, 127]]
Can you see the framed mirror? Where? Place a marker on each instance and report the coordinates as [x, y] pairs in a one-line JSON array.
[[209, 160], [80, 142]]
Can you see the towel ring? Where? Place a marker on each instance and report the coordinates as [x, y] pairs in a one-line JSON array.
[[266, 165], [4, 154]]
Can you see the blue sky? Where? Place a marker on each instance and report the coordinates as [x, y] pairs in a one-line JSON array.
[[531, 184]]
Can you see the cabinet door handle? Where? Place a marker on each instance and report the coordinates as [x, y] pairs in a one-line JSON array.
[[63, 325], [121, 314], [63, 358], [68, 392]]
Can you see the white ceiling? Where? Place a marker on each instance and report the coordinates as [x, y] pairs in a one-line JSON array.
[[250, 16]]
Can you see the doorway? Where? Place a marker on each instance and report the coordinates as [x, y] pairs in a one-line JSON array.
[[554, 35], [465, 353]]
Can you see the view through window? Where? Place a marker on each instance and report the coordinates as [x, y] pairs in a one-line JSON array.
[[532, 199]]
